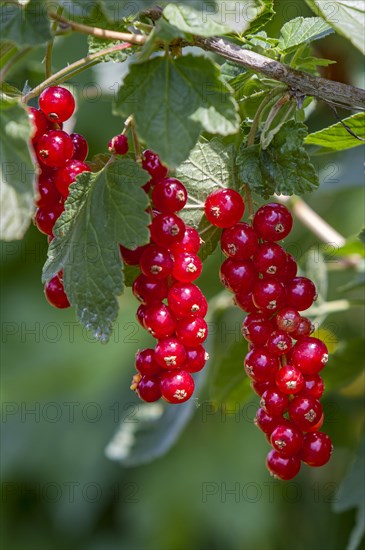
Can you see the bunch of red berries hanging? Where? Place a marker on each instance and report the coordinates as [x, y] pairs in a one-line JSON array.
[[169, 265], [283, 361]]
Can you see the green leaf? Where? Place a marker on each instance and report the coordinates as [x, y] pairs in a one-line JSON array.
[[24, 24], [192, 21], [301, 30], [7, 51], [103, 210], [283, 168], [210, 166], [125, 8], [185, 96], [345, 364], [262, 12], [353, 245], [17, 170], [346, 16], [351, 495], [337, 137]]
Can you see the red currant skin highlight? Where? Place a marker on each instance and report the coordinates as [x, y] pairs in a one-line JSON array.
[[239, 242], [55, 294], [305, 412], [224, 207], [119, 145], [287, 439], [169, 196], [148, 290], [189, 243], [146, 362], [148, 389], [159, 321], [170, 353], [273, 222], [57, 103], [192, 331], [177, 386], [55, 148], [317, 449], [195, 359], [81, 147], [301, 293], [260, 365], [48, 194], [282, 467], [39, 123], [152, 164], [156, 262], [309, 355], [167, 229], [289, 380], [45, 218], [186, 299]]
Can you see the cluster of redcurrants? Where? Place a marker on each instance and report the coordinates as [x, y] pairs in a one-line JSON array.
[[283, 361], [169, 264], [60, 157]]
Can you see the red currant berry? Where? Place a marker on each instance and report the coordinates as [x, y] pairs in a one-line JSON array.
[[38, 122], [317, 449], [305, 412], [267, 423], [301, 293], [55, 294], [81, 147], [269, 295], [260, 365], [186, 299], [189, 243], [156, 262], [170, 353], [169, 195], [48, 195], [256, 329], [148, 389], [149, 291], [310, 355], [146, 363], [119, 145], [224, 207], [57, 103], [287, 319], [273, 222], [187, 267], [260, 387], [287, 439], [45, 218], [152, 164], [195, 359], [270, 259], [282, 467], [192, 331], [289, 380], [132, 257], [159, 321], [140, 314], [239, 242], [245, 302], [238, 276], [313, 386], [304, 328], [177, 386], [279, 342], [67, 175], [274, 402], [167, 229], [55, 148], [289, 270]]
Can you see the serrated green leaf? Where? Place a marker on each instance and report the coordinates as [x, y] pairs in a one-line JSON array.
[[210, 166], [337, 138], [17, 170], [24, 24], [283, 168], [184, 97], [103, 210], [346, 16], [97, 44], [301, 30], [190, 20], [345, 364]]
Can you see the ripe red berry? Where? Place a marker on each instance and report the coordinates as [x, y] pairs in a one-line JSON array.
[[167, 229], [224, 207], [119, 145], [289, 270], [317, 449], [287, 439], [186, 299], [260, 365], [152, 164], [304, 328], [266, 422], [269, 295], [282, 467], [192, 331], [238, 276], [177, 386], [305, 412], [287, 319], [310, 355], [148, 290], [146, 363], [256, 329], [67, 175], [273, 222], [48, 194], [57, 103], [159, 321], [187, 267], [170, 353], [270, 260], [132, 257], [239, 242], [301, 293], [55, 294], [140, 314], [260, 387], [289, 380], [195, 359], [156, 262], [55, 148], [81, 147], [244, 300], [45, 218], [169, 195], [189, 243], [279, 342], [38, 122], [313, 386], [274, 402], [148, 389]]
